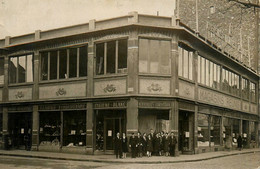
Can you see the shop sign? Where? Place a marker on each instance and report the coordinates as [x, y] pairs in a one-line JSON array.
[[20, 108], [154, 104], [62, 107], [110, 104]]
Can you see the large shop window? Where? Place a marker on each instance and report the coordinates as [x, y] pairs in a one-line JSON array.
[[21, 69], [50, 123], [1, 70], [235, 134], [154, 56], [208, 73], [74, 128], [227, 125], [230, 82], [185, 63], [245, 89], [203, 130], [64, 63], [253, 92], [253, 132], [111, 57], [215, 130]]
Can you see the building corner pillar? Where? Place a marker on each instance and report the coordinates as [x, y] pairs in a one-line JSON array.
[[90, 139], [35, 128], [132, 116]]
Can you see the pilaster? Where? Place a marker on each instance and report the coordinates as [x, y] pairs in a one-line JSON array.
[[36, 75], [132, 116], [89, 129], [35, 128]]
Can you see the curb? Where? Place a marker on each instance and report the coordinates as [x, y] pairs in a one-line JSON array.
[[124, 162]]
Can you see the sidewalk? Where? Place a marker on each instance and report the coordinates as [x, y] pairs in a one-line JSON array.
[[112, 159]]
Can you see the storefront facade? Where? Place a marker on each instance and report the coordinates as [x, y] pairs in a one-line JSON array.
[[72, 89]]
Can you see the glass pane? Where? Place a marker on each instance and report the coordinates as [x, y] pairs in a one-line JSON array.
[[185, 63], [53, 64], [211, 74], [190, 65], [63, 64], [235, 134], [207, 72], [13, 70], [100, 59], [21, 69], [215, 130], [203, 130], [83, 61], [143, 55], [74, 133], [122, 55], [202, 70], [165, 49], [50, 129], [73, 62], [180, 66], [227, 123], [111, 57], [44, 65], [154, 55], [199, 65], [29, 72], [1, 70], [253, 132]]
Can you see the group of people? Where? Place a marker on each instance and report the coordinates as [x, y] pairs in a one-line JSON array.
[[158, 144]]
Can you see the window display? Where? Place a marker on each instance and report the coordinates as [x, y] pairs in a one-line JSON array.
[[74, 128], [227, 123], [50, 128], [235, 133], [252, 131], [203, 130], [215, 130]]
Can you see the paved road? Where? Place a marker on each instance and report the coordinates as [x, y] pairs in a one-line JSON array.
[[246, 161]]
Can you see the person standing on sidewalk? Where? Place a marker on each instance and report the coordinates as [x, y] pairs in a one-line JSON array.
[[139, 144], [132, 145], [239, 142], [124, 145], [173, 142], [144, 142], [149, 146], [118, 146]]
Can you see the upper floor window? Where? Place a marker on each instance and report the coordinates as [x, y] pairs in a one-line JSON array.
[[185, 63], [208, 73], [230, 82], [1, 70], [154, 56], [253, 91], [21, 69], [111, 57], [64, 63], [245, 88]]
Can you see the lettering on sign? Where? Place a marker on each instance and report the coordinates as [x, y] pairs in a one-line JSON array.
[[20, 108], [154, 104], [219, 99], [109, 104], [63, 107]]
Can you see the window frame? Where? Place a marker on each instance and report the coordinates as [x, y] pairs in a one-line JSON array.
[[182, 49], [17, 69], [57, 50], [124, 70]]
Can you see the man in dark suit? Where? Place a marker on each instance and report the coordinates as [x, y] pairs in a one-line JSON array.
[[152, 134], [118, 146], [173, 142], [132, 145]]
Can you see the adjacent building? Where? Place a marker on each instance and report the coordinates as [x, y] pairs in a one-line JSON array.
[[74, 88]]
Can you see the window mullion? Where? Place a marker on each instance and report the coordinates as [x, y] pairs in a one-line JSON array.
[[25, 68], [68, 62], [58, 65], [78, 61], [116, 55], [17, 70], [105, 58], [149, 57], [48, 66]]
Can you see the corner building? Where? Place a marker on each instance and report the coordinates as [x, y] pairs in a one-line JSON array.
[[76, 87]]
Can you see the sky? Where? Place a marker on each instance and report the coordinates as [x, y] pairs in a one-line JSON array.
[[18, 17]]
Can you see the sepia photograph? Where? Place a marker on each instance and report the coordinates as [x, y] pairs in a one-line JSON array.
[[129, 84]]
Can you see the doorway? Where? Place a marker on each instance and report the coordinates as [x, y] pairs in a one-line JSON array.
[[186, 132], [108, 123], [19, 127]]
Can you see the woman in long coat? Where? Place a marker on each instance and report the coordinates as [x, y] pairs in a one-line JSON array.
[[144, 142], [166, 144], [149, 147], [124, 145]]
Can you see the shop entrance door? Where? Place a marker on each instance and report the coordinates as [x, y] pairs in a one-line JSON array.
[[112, 126], [186, 133], [20, 129]]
